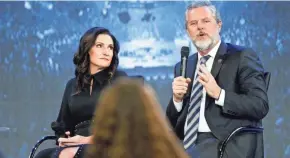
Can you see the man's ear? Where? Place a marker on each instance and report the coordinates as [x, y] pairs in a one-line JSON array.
[[187, 31], [220, 25]]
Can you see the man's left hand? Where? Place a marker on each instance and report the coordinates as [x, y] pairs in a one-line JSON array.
[[208, 82]]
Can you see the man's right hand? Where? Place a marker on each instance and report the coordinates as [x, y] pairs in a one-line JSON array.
[[179, 88]]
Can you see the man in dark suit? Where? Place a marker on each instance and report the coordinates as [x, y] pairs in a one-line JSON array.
[[225, 89]]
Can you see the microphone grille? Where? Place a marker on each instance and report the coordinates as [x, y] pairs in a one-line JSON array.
[[184, 51]]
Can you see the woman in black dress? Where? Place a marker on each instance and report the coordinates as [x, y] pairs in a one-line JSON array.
[[96, 62]]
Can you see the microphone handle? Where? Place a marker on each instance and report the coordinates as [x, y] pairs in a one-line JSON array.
[[183, 70]]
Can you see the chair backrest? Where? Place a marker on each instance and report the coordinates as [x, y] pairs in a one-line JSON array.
[[267, 76]]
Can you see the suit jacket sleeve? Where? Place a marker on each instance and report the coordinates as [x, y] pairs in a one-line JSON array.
[[171, 112], [251, 101]]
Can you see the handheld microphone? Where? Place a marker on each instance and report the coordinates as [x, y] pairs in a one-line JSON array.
[[184, 56]]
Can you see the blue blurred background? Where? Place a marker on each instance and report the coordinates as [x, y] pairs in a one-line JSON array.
[[38, 40]]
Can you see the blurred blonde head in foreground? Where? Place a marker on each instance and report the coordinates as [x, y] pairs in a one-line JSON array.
[[129, 123]]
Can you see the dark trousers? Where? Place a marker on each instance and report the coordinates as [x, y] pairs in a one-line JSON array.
[[207, 146]]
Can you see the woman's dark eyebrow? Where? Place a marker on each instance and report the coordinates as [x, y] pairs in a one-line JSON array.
[[103, 43], [99, 42]]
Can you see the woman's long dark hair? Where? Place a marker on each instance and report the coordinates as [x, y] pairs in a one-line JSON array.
[[82, 59]]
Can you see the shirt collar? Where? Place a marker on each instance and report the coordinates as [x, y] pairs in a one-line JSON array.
[[212, 52], [100, 76]]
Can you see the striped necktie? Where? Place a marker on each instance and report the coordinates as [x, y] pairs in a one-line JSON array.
[[191, 129]]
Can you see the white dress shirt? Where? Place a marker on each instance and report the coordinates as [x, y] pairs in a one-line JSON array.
[[203, 126]]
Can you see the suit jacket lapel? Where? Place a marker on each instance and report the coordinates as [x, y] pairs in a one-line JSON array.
[[191, 66], [217, 64], [219, 59]]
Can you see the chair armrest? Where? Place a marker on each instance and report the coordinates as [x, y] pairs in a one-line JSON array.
[[31, 155], [243, 129]]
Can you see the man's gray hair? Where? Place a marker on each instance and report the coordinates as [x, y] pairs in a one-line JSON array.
[[197, 4]]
